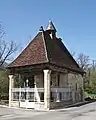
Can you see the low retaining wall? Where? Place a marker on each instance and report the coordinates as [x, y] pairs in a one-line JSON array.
[[39, 106], [15, 104], [54, 105]]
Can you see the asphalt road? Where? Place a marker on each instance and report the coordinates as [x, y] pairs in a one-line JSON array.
[[85, 112]]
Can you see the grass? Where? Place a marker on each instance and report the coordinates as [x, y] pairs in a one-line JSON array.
[[90, 95]]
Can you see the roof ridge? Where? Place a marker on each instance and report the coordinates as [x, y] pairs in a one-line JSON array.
[[46, 54]]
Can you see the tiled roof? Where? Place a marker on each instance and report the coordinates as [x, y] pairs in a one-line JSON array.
[[58, 54], [34, 53], [44, 49]]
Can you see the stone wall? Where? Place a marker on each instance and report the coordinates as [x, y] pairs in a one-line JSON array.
[[76, 82], [39, 80], [54, 79], [39, 106], [63, 80], [57, 105]]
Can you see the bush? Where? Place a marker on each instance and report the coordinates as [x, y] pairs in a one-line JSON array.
[[4, 96], [4, 92]]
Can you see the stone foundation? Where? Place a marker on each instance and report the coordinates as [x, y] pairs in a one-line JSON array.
[[39, 106], [14, 103], [54, 105]]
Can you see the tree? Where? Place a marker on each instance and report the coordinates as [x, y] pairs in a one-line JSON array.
[[83, 61], [6, 49], [4, 84], [89, 66]]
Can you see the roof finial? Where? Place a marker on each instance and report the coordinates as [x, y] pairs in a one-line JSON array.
[[51, 26], [41, 29]]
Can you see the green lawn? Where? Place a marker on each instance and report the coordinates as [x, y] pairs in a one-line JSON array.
[[92, 96]]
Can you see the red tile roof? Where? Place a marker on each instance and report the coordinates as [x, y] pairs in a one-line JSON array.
[[58, 54], [34, 53], [44, 49]]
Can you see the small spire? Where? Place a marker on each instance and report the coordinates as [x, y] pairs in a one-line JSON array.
[[41, 29], [51, 26]]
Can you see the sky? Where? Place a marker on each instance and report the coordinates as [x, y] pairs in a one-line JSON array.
[[75, 21]]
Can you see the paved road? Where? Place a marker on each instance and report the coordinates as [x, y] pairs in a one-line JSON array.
[[85, 112]]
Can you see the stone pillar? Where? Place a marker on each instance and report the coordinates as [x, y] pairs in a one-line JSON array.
[[47, 89], [11, 85], [82, 95], [73, 96]]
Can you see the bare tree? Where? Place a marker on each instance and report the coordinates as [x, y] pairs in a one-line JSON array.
[[93, 65], [6, 49], [83, 61]]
